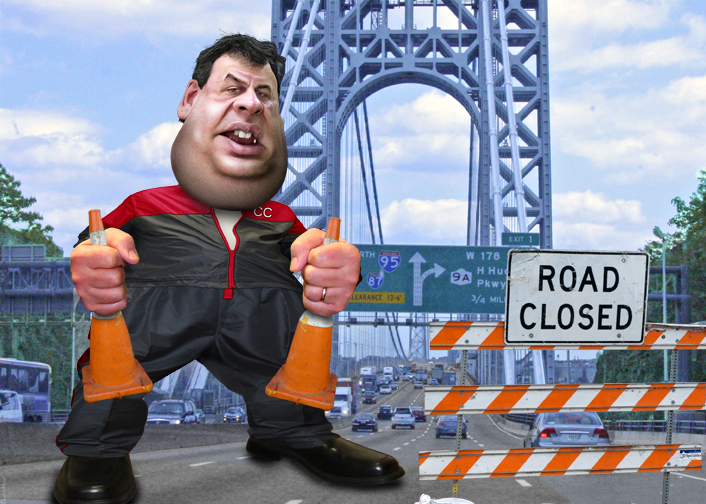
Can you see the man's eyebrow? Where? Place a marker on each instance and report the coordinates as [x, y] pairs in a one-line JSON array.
[[240, 81]]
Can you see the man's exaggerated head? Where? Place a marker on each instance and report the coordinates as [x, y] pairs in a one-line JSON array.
[[231, 151]]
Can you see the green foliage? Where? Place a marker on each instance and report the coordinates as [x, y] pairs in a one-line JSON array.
[[13, 212], [50, 343], [686, 246]]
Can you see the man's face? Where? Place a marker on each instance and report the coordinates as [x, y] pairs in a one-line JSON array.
[[231, 152]]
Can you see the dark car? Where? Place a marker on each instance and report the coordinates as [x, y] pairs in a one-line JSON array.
[[418, 413], [235, 414], [370, 397], [446, 426], [384, 412], [567, 429], [364, 421], [171, 412]]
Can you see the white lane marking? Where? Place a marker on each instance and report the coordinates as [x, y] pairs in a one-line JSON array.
[[405, 444], [690, 476], [202, 463], [294, 502], [245, 457], [523, 483], [137, 475], [395, 449], [481, 445]]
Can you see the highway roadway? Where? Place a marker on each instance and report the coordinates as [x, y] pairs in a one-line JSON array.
[[227, 473]]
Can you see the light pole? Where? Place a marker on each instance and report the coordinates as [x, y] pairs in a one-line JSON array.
[[660, 234]]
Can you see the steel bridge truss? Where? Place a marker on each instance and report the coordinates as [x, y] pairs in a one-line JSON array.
[[493, 62]]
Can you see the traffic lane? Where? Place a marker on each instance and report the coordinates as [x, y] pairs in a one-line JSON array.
[[487, 433]]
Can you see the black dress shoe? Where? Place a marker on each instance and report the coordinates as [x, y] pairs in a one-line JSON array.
[[94, 480], [338, 460]]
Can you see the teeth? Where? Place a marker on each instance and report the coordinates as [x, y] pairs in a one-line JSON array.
[[242, 134]]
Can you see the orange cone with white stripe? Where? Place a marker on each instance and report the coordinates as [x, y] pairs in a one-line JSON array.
[[305, 377], [113, 371]]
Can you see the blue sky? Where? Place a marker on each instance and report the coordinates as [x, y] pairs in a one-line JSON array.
[[90, 89]]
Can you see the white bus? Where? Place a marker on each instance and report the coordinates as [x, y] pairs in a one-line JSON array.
[[32, 381]]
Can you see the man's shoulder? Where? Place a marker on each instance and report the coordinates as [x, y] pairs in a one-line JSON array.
[[155, 201]]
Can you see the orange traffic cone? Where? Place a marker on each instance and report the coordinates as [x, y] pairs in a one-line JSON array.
[[305, 377], [113, 370]]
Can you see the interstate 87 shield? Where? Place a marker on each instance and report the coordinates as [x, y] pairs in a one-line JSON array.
[[556, 296]]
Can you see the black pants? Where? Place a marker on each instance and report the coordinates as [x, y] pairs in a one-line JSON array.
[[243, 341]]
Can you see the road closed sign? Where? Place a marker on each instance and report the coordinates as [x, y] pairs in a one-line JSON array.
[[556, 296]]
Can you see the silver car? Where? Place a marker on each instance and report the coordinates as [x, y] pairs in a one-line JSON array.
[[567, 429], [403, 418]]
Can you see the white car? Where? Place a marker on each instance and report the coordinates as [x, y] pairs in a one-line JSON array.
[[386, 389], [403, 418]]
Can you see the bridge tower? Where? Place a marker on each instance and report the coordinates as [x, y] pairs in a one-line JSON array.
[[490, 55], [492, 61]]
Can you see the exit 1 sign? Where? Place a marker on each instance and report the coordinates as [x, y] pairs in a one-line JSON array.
[[520, 239]]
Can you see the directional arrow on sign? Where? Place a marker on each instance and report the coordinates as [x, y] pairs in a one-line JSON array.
[[419, 277]]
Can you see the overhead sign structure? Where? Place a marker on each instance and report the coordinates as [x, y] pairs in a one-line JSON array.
[[423, 278], [576, 297]]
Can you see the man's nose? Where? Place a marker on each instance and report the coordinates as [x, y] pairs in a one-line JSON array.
[[248, 101]]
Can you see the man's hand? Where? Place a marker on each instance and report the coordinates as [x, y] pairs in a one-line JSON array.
[[335, 266], [98, 272]]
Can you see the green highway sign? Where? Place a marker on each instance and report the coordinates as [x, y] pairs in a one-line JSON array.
[[520, 239], [425, 278]]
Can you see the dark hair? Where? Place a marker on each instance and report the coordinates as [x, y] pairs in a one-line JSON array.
[[240, 46]]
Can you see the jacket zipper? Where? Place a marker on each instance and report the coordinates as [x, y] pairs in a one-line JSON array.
[[228, 291]]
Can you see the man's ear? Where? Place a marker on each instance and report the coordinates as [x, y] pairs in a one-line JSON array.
[[187, 101]]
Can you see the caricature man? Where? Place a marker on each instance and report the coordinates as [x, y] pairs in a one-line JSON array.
[[203, 270]]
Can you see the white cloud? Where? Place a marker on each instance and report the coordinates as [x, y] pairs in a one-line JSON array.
[[441, 222], [593, 236], [632, 138], [592, 37], [433, 128], [591, 221], [589, 205], [153, 149], [105, 19], [61, 161]]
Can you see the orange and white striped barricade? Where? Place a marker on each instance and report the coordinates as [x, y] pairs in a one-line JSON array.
[[523, 462], [490, 336], [502, 399]]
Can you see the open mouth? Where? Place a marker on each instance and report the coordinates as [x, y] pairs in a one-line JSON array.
[[241, 137]]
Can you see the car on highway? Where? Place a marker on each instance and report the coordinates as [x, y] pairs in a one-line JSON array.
[[172, 411], [370, 397], [403, 418], [394, 385], [433, 381], [418, 384], [567, 429], [364, 421], [200, 416], [408, 377], [335, 412], [384, 412], [385, 389], [446, 426], [418, 414], [235, 414]]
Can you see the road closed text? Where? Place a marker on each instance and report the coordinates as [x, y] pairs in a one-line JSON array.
[[556, 296], [603, 317]]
